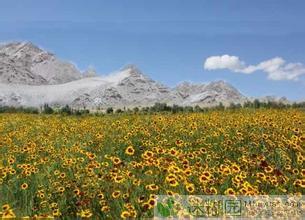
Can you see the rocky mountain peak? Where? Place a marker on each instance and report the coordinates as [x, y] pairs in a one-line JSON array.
[[132, 75], [19, 50], [208, 94], [185, 89], [26, 63], [132, 70], [221, 85]]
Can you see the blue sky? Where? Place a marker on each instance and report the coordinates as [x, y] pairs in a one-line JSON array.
[[168, 40]]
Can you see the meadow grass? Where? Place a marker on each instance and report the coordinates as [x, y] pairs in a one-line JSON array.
[[113, 166]]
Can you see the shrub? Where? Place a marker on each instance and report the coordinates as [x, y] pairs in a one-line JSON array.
[[66, 110], [47, 109], [109, 110]]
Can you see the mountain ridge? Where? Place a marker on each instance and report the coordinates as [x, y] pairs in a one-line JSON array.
[[30, 76], [21, 59]]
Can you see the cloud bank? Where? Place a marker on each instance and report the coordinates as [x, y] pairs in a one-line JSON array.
[[276, 68]]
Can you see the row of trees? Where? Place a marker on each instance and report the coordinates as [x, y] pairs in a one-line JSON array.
[[66, 110], [163, 107], [46, 109], [157, 107]]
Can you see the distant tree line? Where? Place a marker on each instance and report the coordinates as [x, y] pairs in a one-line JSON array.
[[9, 109], [157, 107], [163, 107], [45, 109]]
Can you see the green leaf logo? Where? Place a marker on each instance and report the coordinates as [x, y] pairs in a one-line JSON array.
[[170, 203], [163, 210]]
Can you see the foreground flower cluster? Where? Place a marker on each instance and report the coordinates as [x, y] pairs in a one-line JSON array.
[[114, 166]]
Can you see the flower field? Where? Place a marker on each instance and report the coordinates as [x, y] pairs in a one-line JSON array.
[[113, 166]]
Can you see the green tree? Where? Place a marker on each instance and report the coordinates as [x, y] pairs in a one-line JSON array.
[[66, 110], [256, 103], [136, 109], [109, 110], [47, 109], [118, 111]]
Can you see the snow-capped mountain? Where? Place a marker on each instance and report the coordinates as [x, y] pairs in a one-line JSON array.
[[30, 76], [128, 87], [125, 88], [25, 63]]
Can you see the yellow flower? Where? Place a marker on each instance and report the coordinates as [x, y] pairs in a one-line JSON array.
[[24, 186], [235, 168], [151, 203], [147, 154], [116, 160], [173, 183], [116, 194], [62, 175], [129, 150], [190, 187], [105, 209], [229, 191], [125, 214], [8, 214], [61, 189], [56, 213], [303, 172], [54, 205], [85, 213], [101, 196], [5, 207], [152, 187], [213, 190], [141, 199], [170, 193], [76, 192], [205, 177], [119, 179], [268, 169]]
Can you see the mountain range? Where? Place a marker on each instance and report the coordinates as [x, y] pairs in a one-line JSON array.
[[31, 76]]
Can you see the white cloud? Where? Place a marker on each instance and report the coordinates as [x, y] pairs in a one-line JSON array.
[[223, 62], [276, 68]]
